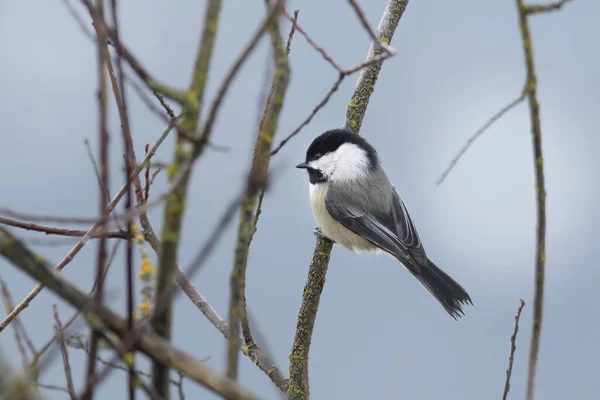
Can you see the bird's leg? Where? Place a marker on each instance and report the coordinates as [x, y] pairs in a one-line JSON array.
[[319, 233]]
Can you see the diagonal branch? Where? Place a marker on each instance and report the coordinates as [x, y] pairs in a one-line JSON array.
[[480, 132], [258, 173], [101, 318], [298, 385], [90, 232]]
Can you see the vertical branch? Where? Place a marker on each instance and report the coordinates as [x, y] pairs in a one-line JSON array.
[[298, 387], [175, 206], [256, 180], [536, 131], [103, 140], [513, 348], [130, 159], [60, 337]]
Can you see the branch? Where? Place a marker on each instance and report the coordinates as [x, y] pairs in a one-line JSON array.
[[102, 318], [19, 330], [91, 231], [258, 173], [175, 206], [102, 55], [543, 8], [536, 130], [480, 132], [49, 230], [513, 348], [60, 337], [177, 95], [298, 385]]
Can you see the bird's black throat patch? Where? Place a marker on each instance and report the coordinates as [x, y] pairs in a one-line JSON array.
[[315, 176]]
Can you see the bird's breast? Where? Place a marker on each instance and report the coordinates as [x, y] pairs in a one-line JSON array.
[[332, 228]]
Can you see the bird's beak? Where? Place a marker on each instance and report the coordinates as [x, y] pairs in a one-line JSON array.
[[302, 165]]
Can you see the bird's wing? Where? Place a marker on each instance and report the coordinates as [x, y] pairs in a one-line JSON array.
[[382, 229], [406, 231]]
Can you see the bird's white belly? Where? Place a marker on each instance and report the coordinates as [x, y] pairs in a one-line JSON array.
[[330, 227]]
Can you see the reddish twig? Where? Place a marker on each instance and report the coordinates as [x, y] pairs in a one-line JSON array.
[[102, 54], [315, 46], [513, 348], [65, 354], [314, 112], [363, 20], [49, 230]]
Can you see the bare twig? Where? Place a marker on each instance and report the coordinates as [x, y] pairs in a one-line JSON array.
[[536, 131], [130, 160], [49, 230], [375, 61], [480, 132], [103, 55], [84, 28], [102, 319], [19, 330], [314, 45], [230, 76], [363, 20], [258, 173], [288, 46], [45, 218], [69, 257], [543, 8], [173, 213], [65, 354], [513, 348], [74, 317], [314, 112], [298, 387]]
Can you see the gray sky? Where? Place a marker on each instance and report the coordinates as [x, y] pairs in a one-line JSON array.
[[379, 334]]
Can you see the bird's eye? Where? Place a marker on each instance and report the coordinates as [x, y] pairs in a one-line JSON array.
[[318, 155]]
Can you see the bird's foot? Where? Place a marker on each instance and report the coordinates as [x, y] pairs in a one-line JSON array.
[[319, 233]]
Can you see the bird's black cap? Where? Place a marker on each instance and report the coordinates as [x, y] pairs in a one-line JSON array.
[[331, 140]]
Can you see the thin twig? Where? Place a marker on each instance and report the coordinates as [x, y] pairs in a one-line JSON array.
[[314, 112], [230, 76], [49, 230], [513, 348], [363, 20], [314, 45], [536, 131], [258, 174], [543, 8], [130, 160], [161, 322], [45, 218], [65, 354], [83, 241], [103, 319], [102, 54], [480, 132], [298, 387], [19, 339]]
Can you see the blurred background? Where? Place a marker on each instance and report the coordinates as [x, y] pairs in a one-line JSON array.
[[378, 334]]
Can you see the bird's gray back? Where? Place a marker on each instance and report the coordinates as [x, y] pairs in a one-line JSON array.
[[372, 194]]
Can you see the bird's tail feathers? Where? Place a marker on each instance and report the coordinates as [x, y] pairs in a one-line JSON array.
[[446, 290]]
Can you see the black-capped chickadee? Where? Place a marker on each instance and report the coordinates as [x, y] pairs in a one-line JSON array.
[[356, 206]]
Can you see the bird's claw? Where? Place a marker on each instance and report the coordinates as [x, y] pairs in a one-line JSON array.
[[319, 233]]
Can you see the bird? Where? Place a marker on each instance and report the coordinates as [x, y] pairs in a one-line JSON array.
[[356, 206]]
